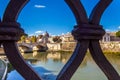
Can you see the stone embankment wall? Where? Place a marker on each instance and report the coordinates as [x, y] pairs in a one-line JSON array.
[[54, 46], [66, 46], [70, 46], [110, 46]]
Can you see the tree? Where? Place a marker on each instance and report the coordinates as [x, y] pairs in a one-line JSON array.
[[26, 35], [118, 33], [40, 36], [33, 39], [23, 37], [57, 39]]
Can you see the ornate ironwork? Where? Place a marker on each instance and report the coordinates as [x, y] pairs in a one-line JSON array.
[[10, 32], [88, 32]]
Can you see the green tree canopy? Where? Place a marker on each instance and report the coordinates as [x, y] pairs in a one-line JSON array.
[[57, 39], [23, 37], [26, 35], [34, 39], [40, 36], [118, 33]]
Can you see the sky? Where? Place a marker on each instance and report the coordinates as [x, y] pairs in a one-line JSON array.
[[55, 17]]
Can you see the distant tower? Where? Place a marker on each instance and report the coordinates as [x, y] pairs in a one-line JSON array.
[[45, 37]]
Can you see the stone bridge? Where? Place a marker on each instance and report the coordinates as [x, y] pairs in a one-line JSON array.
[[30, 45]]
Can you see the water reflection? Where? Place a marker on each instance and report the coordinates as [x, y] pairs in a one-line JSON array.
[[54, 61], [115, 60], [44, 56]]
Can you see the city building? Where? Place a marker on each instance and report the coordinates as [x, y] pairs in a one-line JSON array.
[[110, 36], [67, 38]]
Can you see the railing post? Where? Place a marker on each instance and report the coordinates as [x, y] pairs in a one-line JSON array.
[[88, 32], [10, 32]]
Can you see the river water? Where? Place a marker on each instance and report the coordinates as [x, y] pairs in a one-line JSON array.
[[48, 65]]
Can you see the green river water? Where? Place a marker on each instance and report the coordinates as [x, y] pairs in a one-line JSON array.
[[52, 62]]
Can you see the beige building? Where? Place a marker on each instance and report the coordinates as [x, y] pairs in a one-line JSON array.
[[67, 38], [110, 36], [106, 37], [54, 46]]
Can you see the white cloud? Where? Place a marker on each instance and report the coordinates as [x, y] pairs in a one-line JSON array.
[[39, 6], [39, 32], [31, 34], [108, 30], [118, 27], [62, 34]]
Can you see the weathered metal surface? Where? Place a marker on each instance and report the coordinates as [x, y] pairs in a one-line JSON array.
[[10, 32], [102, 62], [74, 61], [18, 62], [88, 31]]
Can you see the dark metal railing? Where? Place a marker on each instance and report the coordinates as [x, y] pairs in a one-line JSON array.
[[87, 32]]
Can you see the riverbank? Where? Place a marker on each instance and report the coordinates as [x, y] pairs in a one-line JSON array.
[[105, 52], [54, 63], [107, 47]]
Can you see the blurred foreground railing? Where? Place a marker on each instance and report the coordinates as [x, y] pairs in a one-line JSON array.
[[87, 32]]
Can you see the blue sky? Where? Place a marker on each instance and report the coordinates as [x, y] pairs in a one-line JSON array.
[[56, 17]]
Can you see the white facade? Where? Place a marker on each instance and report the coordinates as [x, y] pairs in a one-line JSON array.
[[106, 37]]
